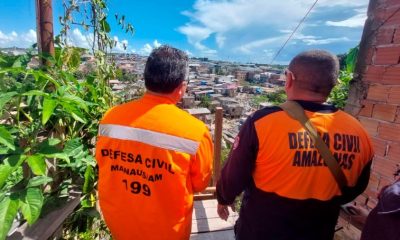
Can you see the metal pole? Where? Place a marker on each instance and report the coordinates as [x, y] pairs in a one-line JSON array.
[[217, 144], [45, 34]]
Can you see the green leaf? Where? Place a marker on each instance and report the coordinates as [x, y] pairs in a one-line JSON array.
[[105, 26], [31, 204], [75, 100], [49, 146], [351, 59], [50, 79], [74, 111], [22, 61], [38, 181], [35, 93], [37, 164], [89, 179], [70, 77], [48, 108], [8, 211], [53, 141], [73, 57], [73, 147], [5, 171], [6, 97], [9, 165], [6, 138]]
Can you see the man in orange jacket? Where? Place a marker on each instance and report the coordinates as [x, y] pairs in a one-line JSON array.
[[152, 156], [289, 192]]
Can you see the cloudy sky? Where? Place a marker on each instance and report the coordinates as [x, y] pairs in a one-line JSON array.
[[234, 30]]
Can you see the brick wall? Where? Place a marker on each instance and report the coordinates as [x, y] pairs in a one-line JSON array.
[[375, 93]]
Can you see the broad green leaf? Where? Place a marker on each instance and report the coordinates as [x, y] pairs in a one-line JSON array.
[[50, 79], [89, 179], [53, 141], [4, 151], [74, 111], [9, 165], [351, 59], [48, 108], [73, 147], [37, 164], [75, 100], [105, 26], [5, 98], [22, 61], [31, 204], [71, 78], [49, 150], [89, 160], [38, 181], [14, 160], [35, 93], [5, 171], [72, 57], [8, 211], [6, 138], [49, 146]]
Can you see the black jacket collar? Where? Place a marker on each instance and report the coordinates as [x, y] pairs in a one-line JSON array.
[[317, 107]]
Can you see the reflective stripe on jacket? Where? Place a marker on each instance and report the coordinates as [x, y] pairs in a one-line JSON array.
[[152, 156]]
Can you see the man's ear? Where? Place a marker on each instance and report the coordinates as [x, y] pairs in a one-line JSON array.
[[180, 91], [289, 81], [183, 88]]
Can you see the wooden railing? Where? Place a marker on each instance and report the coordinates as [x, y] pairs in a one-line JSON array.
[[50, 225], [210, 193]]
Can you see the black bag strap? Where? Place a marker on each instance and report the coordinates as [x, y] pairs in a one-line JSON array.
[[296, 111]]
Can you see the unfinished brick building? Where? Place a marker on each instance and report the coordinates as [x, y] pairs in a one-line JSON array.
[[375, 93]]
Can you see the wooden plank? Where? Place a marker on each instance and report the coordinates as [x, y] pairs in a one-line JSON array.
[[210, 213], [206, 219], [204, 196], [212, 224], [45, 227], [205, 203], [210, 190], [217, 144], [218, 235]]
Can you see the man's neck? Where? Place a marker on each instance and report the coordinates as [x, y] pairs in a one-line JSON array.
[[167, 96], [316, 100]]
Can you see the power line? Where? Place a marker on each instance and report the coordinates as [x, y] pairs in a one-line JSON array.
[[294, 31]]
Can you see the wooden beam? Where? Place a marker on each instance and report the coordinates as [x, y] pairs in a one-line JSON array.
[[45, 227], [203, 196], [45, 34], [217, 144], [208, 193]]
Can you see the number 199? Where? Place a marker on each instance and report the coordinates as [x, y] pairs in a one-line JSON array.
[[137, 187]]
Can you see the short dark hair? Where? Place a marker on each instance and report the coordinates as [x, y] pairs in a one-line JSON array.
[[315, 71], [166, 69]]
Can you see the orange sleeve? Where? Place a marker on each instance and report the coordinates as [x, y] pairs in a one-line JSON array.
[[201, 167]]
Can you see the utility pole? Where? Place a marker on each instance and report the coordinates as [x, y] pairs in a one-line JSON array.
[[44, 29]]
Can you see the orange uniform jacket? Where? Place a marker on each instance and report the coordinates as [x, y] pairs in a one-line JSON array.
[[289, 191], [152, 156]]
